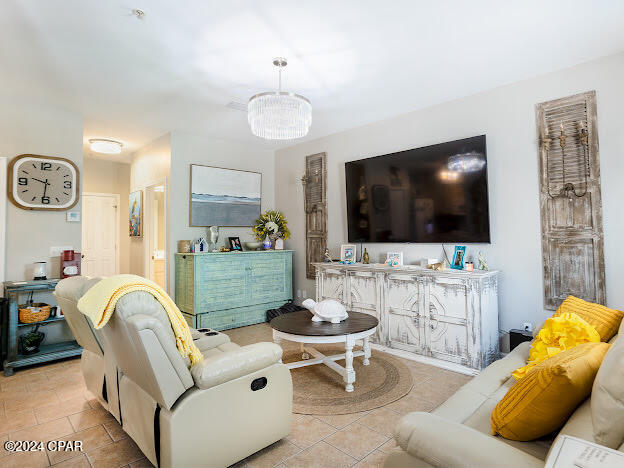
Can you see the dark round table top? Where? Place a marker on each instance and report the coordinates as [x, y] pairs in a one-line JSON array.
[[300, 323]]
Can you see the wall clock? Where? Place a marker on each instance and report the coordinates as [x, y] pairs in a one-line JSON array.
[[43, 182]]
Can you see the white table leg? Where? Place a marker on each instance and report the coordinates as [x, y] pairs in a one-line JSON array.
[[277, 340], [367, 351], [304, 354], [350, 372]]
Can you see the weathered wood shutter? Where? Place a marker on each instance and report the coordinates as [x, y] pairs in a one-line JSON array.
[[570, 199], [315, 203]]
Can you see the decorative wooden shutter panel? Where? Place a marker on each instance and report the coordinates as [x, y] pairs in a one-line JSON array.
[[570, 199], [315, 203]]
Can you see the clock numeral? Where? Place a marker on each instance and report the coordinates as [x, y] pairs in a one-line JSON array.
[[22, 181], [46, 166], [45, 200], [67, 184]]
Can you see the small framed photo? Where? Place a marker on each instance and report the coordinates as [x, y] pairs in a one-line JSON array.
[[235, 244], [347, 253], [458, 257], [394, 258]]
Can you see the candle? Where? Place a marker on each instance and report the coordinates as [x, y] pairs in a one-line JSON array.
[[469, 266]]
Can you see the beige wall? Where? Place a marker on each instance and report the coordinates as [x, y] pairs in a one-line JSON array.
[[36, 128], [150, 164], [187, 149], [100, 176], [507, 116]]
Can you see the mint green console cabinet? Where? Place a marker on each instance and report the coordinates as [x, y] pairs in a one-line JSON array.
[[231, 289]]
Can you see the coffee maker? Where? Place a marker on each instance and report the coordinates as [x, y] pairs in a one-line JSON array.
[[70, 263]]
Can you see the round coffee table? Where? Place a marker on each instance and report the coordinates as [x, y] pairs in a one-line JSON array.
[[299, 327]]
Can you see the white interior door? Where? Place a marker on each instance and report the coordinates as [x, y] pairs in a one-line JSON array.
[[155, 232], [100, 234]]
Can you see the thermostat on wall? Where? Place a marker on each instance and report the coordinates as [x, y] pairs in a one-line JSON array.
[[73, 216]]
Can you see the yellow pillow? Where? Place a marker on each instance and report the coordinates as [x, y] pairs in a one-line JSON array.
[[606, 321], [558, 334], [544, 400]]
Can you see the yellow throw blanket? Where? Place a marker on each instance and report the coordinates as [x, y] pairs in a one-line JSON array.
[[99, 304], [559, 333]]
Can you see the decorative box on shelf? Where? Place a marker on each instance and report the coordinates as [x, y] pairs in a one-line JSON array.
[[231, 289]]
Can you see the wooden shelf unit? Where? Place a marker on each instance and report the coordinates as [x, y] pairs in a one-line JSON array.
[[10, 324]]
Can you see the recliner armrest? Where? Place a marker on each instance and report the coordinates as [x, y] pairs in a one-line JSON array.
[[230, 365], [443, 443]]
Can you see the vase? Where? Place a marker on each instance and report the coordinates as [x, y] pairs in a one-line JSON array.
[[267, 243]]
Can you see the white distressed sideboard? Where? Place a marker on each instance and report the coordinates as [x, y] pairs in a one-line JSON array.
[[450, 316]]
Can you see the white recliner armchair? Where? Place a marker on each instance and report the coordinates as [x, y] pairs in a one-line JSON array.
[[237, 401], [100, 375]]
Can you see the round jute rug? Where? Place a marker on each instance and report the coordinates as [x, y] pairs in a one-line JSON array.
[[319, 390]]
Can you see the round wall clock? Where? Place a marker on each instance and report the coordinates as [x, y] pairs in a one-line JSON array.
[[43, 182]]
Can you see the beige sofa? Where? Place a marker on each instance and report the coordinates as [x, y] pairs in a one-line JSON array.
[[457, 433], [237, 401]]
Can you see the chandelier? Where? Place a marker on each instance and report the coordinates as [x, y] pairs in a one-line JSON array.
[[279, 115]]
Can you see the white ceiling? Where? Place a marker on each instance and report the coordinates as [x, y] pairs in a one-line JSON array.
[[357, 61]]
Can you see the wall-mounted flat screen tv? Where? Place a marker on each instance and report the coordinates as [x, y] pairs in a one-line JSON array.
[[432, 194]]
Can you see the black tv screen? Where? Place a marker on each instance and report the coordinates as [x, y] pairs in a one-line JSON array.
[[432, 194]]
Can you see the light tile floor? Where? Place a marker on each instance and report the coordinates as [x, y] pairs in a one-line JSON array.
[[360, 439], [51, 402]]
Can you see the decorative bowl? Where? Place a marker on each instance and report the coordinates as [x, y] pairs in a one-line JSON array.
[[253, 245]]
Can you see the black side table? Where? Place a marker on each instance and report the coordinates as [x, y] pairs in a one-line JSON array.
[[518, 336]]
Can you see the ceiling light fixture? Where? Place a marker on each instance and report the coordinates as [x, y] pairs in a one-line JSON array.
[[100, 145], [279, 115]]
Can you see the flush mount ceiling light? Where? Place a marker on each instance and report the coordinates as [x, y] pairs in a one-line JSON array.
[[279, 115], [100, 145], [466, 162]]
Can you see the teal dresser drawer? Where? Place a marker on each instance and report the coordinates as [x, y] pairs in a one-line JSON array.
[[229, 290]]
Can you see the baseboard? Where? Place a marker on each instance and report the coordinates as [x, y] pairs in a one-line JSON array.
[[426, 360]]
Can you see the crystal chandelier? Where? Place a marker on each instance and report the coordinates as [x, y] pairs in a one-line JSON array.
[[279, 115]]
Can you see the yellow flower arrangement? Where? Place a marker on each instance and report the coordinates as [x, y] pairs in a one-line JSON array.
[[271, 223]]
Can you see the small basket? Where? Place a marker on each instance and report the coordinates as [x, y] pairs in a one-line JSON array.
[[39, 312]]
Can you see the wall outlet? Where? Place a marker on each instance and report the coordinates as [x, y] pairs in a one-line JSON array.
[[57, 251], [299, 293], [527, 326], [305, 294]]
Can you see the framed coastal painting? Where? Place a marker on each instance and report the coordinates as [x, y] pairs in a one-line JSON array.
[[224, 197], [135, 214]]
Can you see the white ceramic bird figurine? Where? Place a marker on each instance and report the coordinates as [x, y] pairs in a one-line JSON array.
[[328, 310]]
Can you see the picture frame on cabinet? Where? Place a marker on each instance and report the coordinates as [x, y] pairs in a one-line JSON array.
[[394, 259], [348, 253], [235, 244], [458, 257]]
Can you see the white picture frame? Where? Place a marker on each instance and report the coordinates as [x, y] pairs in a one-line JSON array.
[[391, 257], [348, 253]]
